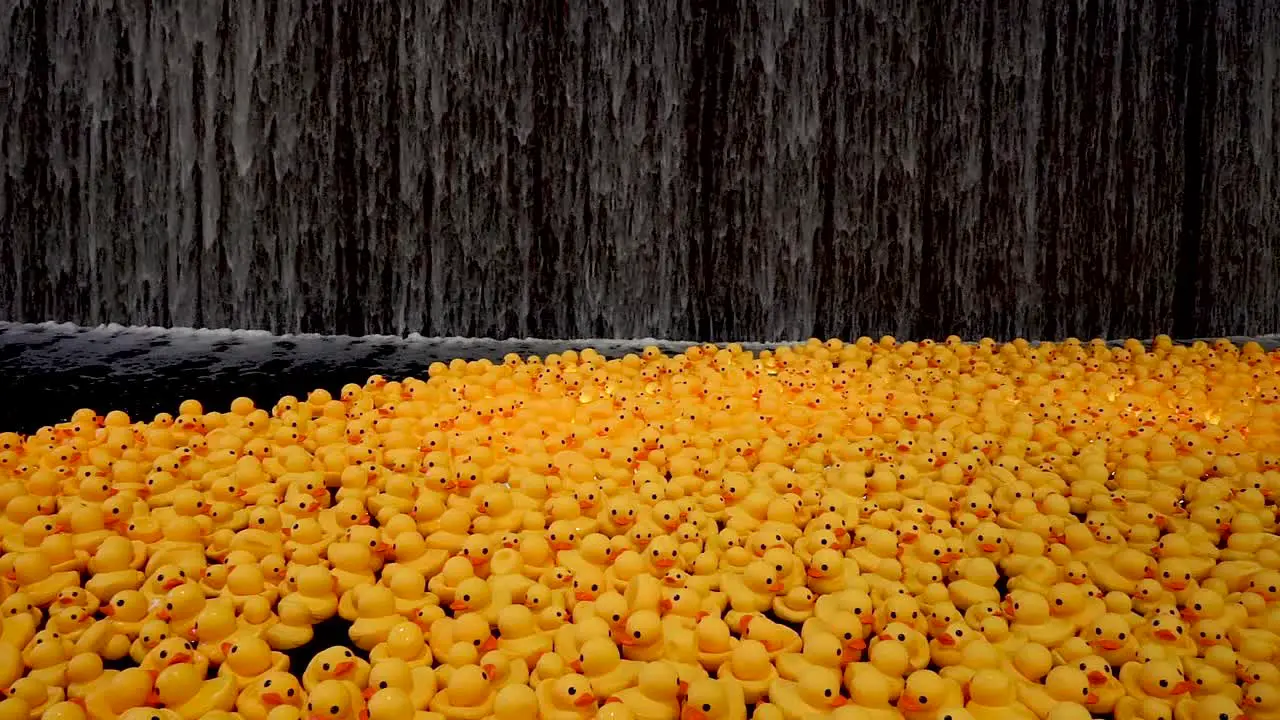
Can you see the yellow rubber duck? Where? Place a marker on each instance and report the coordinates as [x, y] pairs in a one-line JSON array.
[[373, 614], [248, 658], [334, 700], [516, 702], [128, 689], [468, 695], [750, 667], [656, 693], [182, 688], [336, 663], [420, 682], [600, 662], [519, 636], [405, 641], [811, 695], [45, 657], [268, 691]]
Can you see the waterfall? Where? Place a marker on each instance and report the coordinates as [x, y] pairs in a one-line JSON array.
[[763, 169]]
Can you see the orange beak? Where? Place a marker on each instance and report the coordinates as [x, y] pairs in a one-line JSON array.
[[839, 701], [1166, 635], [814, 572], [270, 698], [172, 583], [907, 703], [561, 545], [109, 610], [1092, 699], [909, 537], [576, 666], [1175, 585], [946, 640], [180, 657], [584, 700], [1108, 644], [625, 640], [693, 713], [490, 643], [665, 563], [584, 596], [988, 547], [478, 560], [665, 605], [368, 692], [948, 557], [777, 587], [1183, 688], [459, 606], [1188, 614], [343, 668], [1097, 678]]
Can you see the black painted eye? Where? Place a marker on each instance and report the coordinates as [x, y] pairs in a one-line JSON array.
[[573, 691], [1164, 683], [325, 667]]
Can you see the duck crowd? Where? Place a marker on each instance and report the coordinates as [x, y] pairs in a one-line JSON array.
[[869, 530]]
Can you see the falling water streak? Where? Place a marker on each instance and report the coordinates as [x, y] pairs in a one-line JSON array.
[[772, 169]]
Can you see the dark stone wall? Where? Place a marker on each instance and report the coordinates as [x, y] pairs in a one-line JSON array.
[[764, 169]]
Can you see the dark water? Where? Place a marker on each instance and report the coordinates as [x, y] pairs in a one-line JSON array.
[[679, 168]]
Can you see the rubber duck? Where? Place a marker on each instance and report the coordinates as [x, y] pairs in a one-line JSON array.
[[1262, 701], [749, 665], [519, 636], [19, 618], [213, 626], [405, 641], [128, 689], [373, 614], [714, 641], [392, 704], [516, 702], [709, 699], [822, 654], [410, 590], [973, 582], [248, 658], [1030, 618], [336, 663], [656, 693], [602, 665], [152, 633], [335, 700], [1111, 637], [1208, 708], [993, 695], [268, 691], [37, 695], [37, 580], [811, 695], [353, 564], [314, 600], [467, 696], [45, 657], [183, 689], [776, 638], [1160, 680], [444, 585]]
